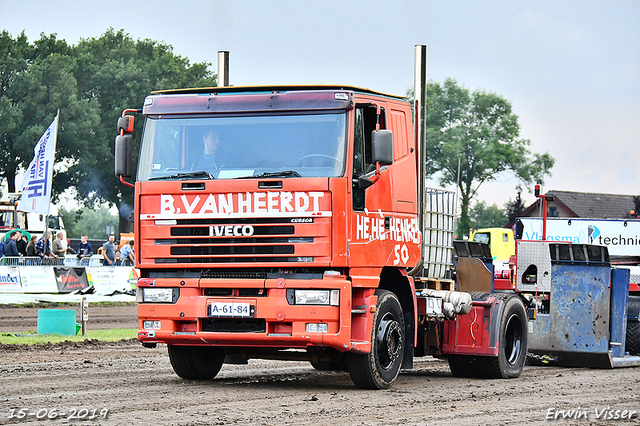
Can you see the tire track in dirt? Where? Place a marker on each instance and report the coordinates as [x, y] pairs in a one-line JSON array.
[[139, 387]]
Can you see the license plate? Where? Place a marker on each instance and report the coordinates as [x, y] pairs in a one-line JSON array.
[[230, 310]]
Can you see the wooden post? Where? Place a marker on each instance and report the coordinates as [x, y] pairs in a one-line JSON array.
[[84, 308]]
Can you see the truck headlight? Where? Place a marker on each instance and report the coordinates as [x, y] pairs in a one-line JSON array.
[[151, 325], [158, 295], [317, 328], [317, 297]]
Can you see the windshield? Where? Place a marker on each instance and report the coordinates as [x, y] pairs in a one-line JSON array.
[[309, 145], [482, 237], [5, 219]]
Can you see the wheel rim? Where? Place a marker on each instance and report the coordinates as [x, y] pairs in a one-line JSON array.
[[513, 339], [389, 341]]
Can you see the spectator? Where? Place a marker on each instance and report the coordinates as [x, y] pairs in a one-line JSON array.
[[84, 248], [127, 254], [21, 245], [31, 247], [7, 236], [109, 252], [43, 246], [57, 248], [10, 248]]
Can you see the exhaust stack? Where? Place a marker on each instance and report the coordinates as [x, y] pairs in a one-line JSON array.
[[420, 110], [223, 68]]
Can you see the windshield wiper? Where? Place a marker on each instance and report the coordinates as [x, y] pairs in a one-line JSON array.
[[190, 175], [286, 173]]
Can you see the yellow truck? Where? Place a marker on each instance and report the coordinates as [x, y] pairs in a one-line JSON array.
[[500, 241]]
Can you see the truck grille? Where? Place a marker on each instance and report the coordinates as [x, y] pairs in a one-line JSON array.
[[233, 275], [240, 292], [234, 325], [230, 250], [267, 230], [238, 240]]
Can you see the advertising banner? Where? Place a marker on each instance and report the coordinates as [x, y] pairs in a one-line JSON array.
[[70, 279], [107, 279], [10, 280], [38, 279], [620, 236]]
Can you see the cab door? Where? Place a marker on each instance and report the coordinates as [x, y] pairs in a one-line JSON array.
[[371, 207]]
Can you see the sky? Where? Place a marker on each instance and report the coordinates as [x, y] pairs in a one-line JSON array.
[[571, 69]]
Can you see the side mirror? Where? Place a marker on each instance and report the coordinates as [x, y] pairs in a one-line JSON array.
[[382, 147], [519, 229], [363, 182], [125, 124], [124, 156]]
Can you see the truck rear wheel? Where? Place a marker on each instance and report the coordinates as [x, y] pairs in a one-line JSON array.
[[379, 368], [633, 337], [512, 352], [196, 362], [633, 325]]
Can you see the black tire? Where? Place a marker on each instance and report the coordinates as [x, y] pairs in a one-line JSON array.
[[512, 351], [633, 337], [379, 368], [196, 362], [337, 365], [463, 365], [478, 295]]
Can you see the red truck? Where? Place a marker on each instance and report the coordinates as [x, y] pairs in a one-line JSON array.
[[290, 222]]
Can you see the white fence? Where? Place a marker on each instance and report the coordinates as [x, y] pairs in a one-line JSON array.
[[56, 261], [34, 275]]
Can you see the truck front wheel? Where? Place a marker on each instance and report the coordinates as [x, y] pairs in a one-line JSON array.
[[196, 362], [463, 365], [379, 368]]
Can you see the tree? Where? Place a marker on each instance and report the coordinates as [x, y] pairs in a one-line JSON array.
[[15, 57], [516, 207], [36, 81], [91, 84], [118, 73], [92, 222], [487, 216], [481, 131]]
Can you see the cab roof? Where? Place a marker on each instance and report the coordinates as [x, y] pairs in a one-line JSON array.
[[278, 88]]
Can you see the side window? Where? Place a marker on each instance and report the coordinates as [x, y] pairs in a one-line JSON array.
[[365, 124]]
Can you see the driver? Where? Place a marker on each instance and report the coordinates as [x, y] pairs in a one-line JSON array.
[[207, 159]]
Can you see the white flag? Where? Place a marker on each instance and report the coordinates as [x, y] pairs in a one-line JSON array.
[[36, 185]]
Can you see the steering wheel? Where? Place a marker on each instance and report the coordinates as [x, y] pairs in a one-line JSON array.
[[326, 157]]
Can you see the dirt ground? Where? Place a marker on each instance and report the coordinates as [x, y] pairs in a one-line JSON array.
[[14, 318], [138, 387]]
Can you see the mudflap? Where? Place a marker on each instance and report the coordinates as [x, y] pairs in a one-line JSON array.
[[491, 341], [475, 333]]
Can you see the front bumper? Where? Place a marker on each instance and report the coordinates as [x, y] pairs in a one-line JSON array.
[[274, 321]]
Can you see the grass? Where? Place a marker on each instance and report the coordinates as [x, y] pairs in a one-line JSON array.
[[30, 337]]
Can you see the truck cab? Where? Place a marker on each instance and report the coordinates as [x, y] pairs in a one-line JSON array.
[[283, 225], [500, 242]]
